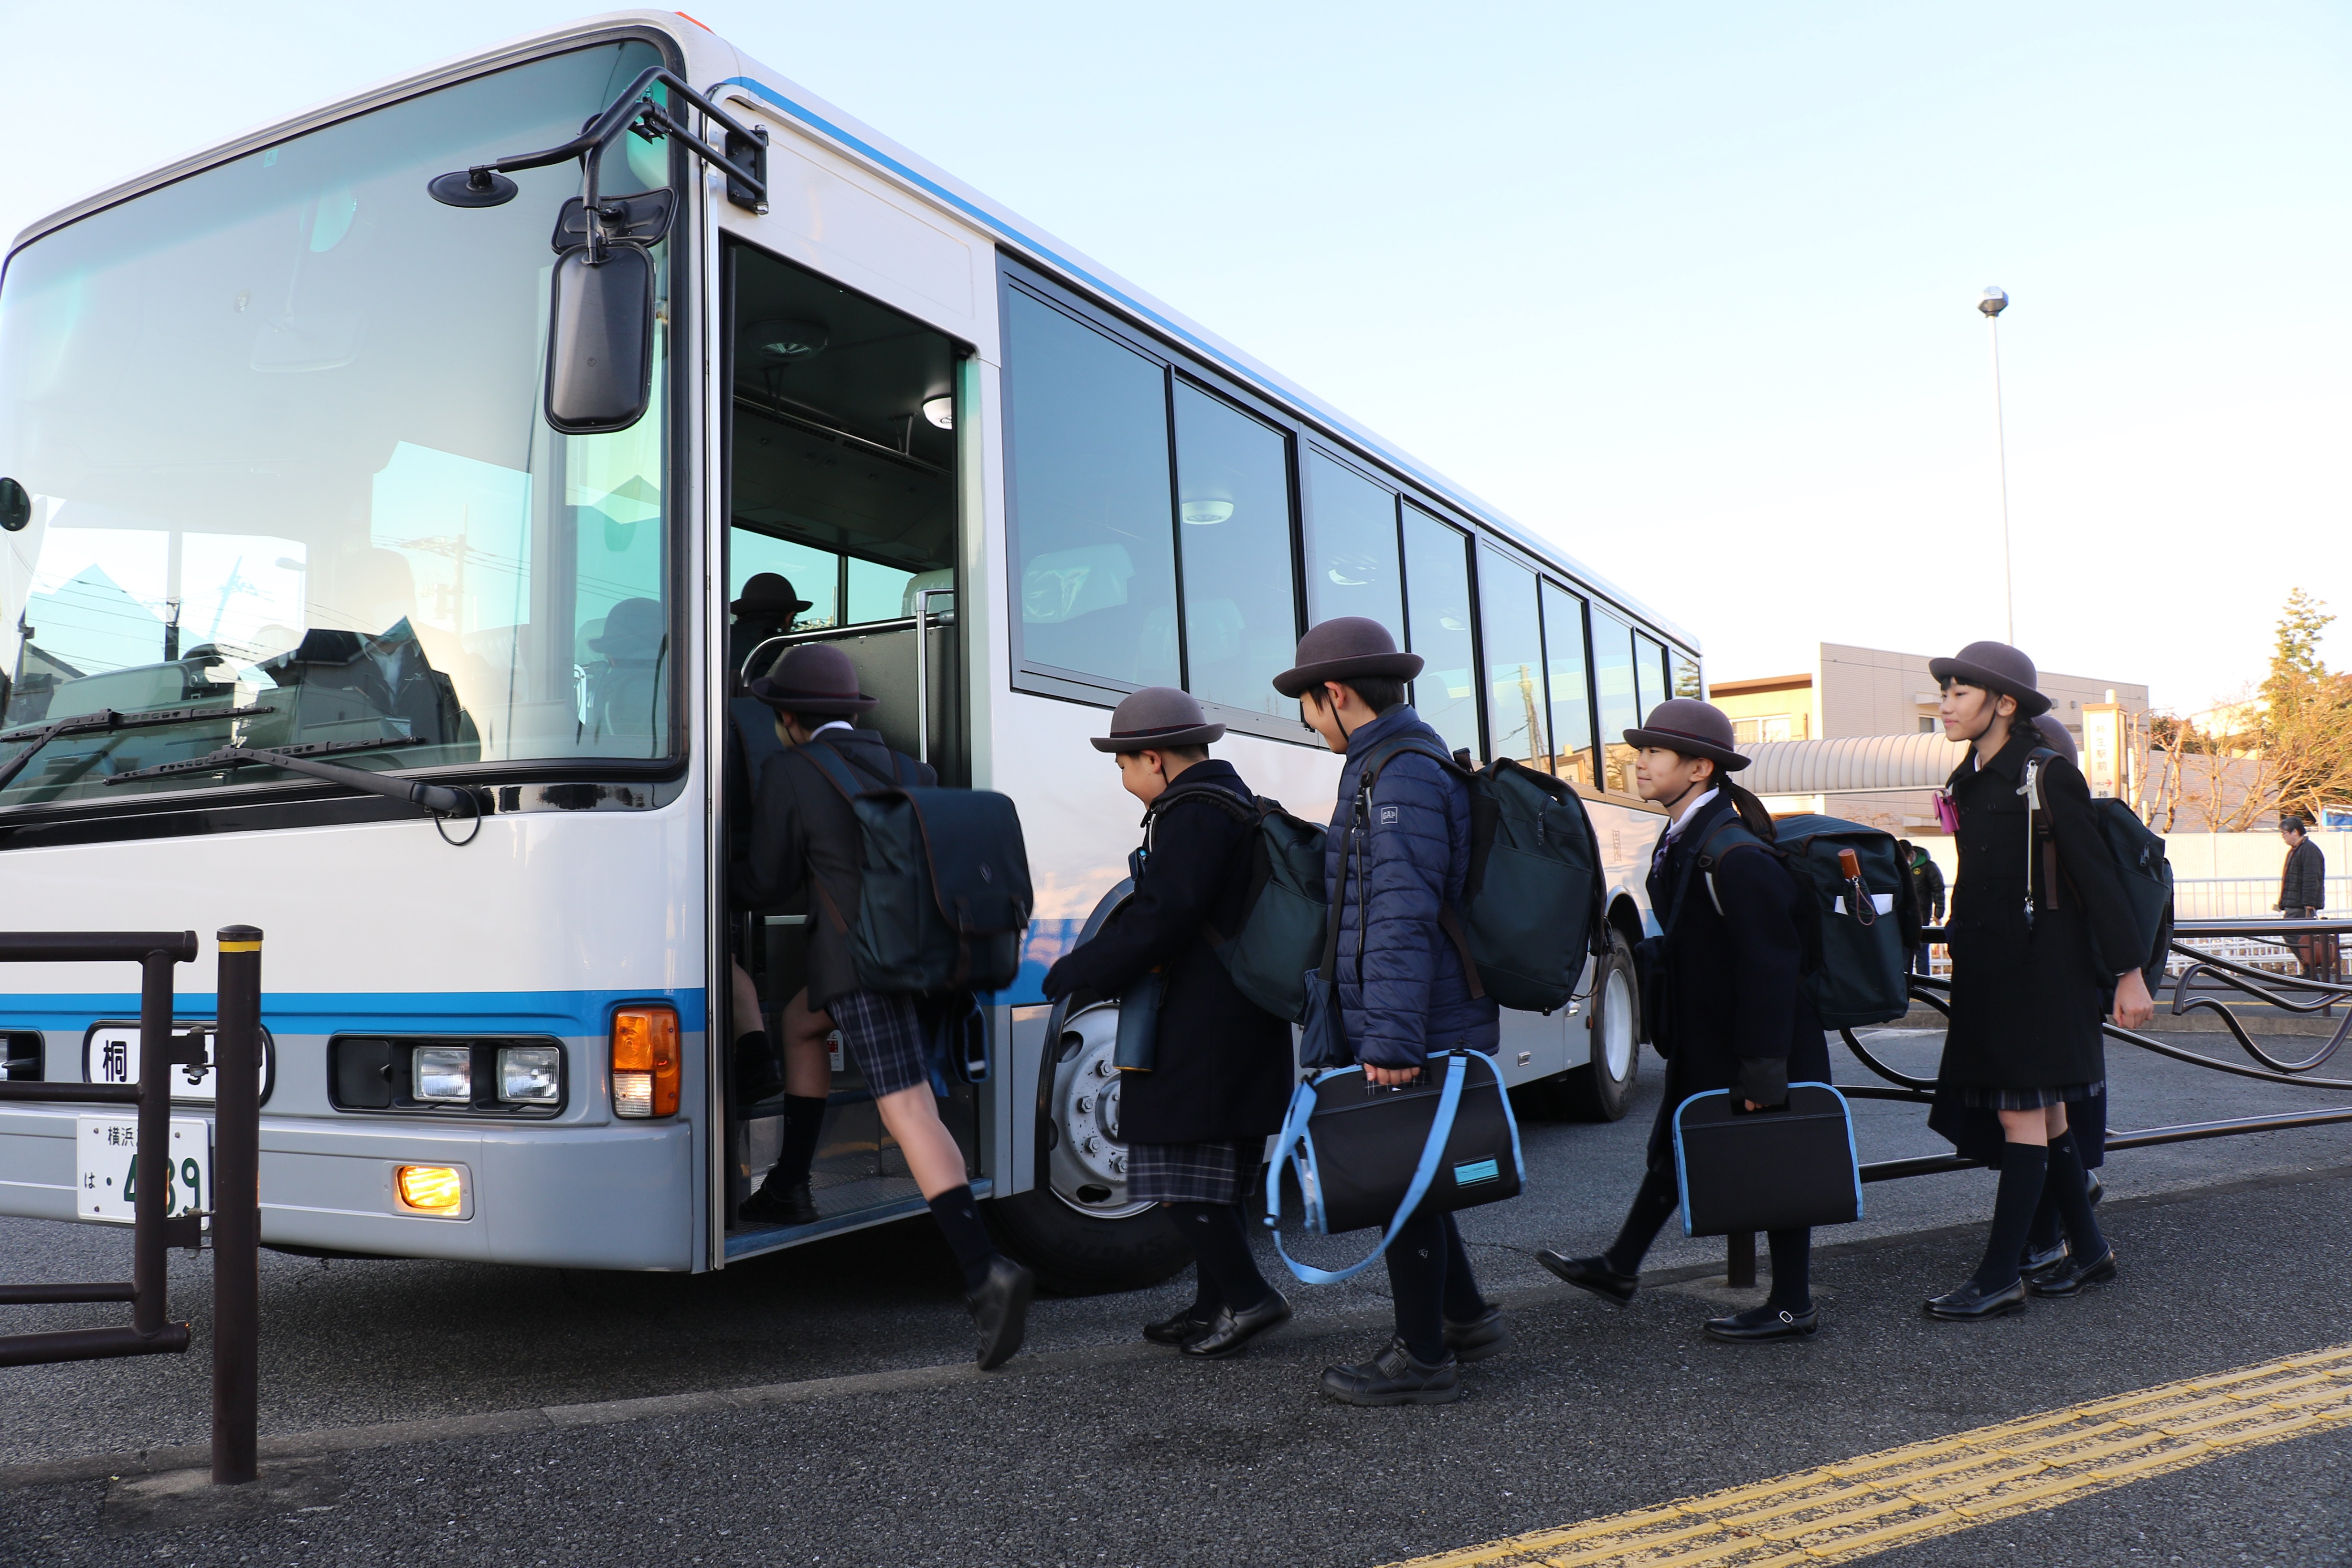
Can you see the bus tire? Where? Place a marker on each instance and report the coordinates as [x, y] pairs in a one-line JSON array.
[[1602, 1087], [1074, 1254]]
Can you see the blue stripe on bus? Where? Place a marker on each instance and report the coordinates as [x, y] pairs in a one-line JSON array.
[[333, 1012]]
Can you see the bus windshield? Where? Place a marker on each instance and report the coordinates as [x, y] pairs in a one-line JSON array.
[[281, 426]]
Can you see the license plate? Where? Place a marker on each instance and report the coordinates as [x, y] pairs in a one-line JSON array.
[[107, 1153]]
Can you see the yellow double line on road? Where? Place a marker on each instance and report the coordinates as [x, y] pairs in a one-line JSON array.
[[1834, 1513]]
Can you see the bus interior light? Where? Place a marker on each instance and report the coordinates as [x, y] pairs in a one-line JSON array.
[[530, 1074], [940, 411], [444, 1074], [645, 1061], [435, 1189]]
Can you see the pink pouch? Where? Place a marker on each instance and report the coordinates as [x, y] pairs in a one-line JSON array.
[[1946, 813]]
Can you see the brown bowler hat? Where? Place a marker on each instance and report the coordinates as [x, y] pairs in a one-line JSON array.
[[1692, 727], [1345, 646], [1997, 667], [813, 678], [1156, 718], [772, 591]]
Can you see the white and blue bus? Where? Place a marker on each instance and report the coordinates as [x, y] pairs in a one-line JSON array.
[[281, 481]]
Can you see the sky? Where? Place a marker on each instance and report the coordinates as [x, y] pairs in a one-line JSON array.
[[1688, 290]]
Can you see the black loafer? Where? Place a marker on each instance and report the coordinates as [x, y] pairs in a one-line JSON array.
[[1394, 1377], [1767, 1322], [2036, 1266], [1968, 1304], [2073, 1281], [1233, 1331], [1000, 1311], [1592, 1274], [1176, 1328], [1481, 1337], [2093, 1188], [780, 1205]]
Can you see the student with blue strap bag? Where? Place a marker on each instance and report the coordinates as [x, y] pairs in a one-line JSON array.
[[1395, 998]]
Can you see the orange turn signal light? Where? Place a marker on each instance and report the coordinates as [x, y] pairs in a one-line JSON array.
[[435, 1189], [645, 1061]]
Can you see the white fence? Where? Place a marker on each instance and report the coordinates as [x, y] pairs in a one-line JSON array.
[[2241, 897]]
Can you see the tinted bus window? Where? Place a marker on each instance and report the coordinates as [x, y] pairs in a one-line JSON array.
[[1509, 619], [1232, 497], [1612, 681], [1351, 546], [1649, 671], [1686, 681], [1089, 430], [1571, 700], [1437, 584]]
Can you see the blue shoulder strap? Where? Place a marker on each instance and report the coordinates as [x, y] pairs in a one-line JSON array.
[[1297, 1150]]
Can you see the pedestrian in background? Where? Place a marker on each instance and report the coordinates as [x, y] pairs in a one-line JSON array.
[[1734, 1013], [1404, 990], [1195, 1123], [1927, 882], [2027, 993], [2303, 893]]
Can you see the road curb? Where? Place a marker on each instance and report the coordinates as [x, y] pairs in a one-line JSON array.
[[329, 1441]]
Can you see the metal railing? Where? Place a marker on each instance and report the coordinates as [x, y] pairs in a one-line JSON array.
[[236, 1173], [2242, 897]]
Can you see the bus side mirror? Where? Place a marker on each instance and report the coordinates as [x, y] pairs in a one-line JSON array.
[[600, 338]]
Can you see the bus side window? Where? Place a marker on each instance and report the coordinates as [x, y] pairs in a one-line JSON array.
[[1510, 620], [1351, 546], [1571, 703], [1437, 616], [1612, 680], [1232, 505]]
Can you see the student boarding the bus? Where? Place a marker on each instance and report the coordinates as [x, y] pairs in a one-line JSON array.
[[1197, 1117], [1405, 989], [804, 834], [1729, 1010]]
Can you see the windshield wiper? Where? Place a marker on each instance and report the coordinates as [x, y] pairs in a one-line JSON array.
[[438, 799], [106, 718]]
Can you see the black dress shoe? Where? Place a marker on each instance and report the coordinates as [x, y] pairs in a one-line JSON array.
[[776, 1204], [1000, 1311], [1592, 1274], [1765, 1322], [2093, 1188], [1176, 1328], [2036, 1266], [1968, 1304], [2073, 1281], [1481, 1337], [1233, 1330], [1394, 1377]]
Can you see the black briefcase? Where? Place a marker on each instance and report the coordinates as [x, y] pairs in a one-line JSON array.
[[1766, 1170], [1363, 1143]]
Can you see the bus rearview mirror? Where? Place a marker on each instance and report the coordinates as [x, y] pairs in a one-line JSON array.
[[600, 339]]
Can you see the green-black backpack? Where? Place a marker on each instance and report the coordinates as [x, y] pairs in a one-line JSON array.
[[1863, 914], [1281, 933]]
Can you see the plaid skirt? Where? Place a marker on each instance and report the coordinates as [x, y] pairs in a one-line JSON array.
[[884, 1037], [1190, 1172], [2025, 1099]]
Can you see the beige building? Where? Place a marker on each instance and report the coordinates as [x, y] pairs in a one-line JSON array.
[[1853, 692]]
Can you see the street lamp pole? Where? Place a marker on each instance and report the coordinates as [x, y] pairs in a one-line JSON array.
[[1992, 304]]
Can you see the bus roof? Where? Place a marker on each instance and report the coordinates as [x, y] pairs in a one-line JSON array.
[[869, 146]]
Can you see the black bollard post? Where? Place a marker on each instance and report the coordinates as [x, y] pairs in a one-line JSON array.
[[1740, 1259], [153, 1163], [237, 1205]]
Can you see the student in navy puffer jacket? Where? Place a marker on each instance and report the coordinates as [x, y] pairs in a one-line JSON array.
[[1403, 989]]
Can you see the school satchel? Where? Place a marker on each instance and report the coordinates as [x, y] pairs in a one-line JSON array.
[[2141, 867], [1744, 1171], [1531, 904], [1863, 912], [944, 894], [1282, 914], [1366, 1155]]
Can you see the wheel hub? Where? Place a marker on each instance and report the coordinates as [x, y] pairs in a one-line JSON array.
[[1088, 1166]]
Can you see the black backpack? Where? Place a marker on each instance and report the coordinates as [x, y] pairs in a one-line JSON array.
[[945, 895], [2141, 867], [1281, 931], [1532, 902]]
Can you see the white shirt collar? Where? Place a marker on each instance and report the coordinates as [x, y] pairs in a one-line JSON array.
[[1675, 827], [837, 724]]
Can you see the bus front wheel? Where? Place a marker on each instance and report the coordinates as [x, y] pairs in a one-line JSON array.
[[1602, 1087], [1080, 1231]]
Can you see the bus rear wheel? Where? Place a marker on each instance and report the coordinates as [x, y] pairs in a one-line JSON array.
[[1602, 1087], [1080, 1231]]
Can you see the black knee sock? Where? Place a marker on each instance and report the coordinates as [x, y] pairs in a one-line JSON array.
[[1793, 1269], [2043, 1235], [1462, 1302], [1221, 1252], [1416, 1261], [2022, 1168], [2068, 1190], [959, 1219], [803, 1125], [1653, 1202]]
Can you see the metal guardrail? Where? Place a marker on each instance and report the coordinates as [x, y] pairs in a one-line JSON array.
[[235, 1172]]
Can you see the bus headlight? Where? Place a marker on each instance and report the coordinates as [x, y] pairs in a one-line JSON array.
[[530, 1074], [444, 1074], [645, 1061]]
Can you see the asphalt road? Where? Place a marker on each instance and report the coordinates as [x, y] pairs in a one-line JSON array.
[[1090, 1450]]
